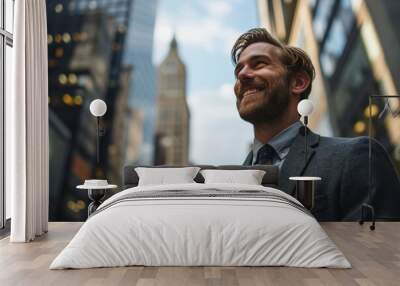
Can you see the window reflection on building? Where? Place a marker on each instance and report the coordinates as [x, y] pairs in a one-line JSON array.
[[336, 36], [322, 14], [333, 48], [354, 85]]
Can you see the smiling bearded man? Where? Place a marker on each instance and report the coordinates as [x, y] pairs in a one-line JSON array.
[[265, 96], [271, 79]]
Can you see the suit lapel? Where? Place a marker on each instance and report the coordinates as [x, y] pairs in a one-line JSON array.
[[295, 162], [249, 159]]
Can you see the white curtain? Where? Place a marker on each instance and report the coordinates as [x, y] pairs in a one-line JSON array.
[[27, 158]]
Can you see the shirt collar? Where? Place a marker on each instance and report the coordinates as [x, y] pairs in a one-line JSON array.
[[280, 141]]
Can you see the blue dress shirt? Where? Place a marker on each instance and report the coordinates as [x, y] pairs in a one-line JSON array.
[[280, 142]]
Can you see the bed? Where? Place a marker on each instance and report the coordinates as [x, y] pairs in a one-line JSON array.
[[201, 224]]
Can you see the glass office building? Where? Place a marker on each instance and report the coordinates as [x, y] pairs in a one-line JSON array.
[[85, 49], [354, 46], [142, 93]]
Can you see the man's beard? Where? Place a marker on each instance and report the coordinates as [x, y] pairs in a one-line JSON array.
[[271, 109]]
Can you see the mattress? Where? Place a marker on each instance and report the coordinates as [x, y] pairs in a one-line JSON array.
[[201, 225]]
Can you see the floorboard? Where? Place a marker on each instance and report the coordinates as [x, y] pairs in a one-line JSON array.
[[374, 255]]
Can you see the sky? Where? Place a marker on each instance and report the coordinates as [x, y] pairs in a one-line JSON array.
[[205, 31]]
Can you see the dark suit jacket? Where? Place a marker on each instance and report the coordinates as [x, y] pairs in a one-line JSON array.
[[342, 163]]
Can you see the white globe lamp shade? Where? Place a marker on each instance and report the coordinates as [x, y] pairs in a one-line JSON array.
[[98, 107], [305, 107]]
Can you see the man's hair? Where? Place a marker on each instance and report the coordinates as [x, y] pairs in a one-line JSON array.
[[295, 59]]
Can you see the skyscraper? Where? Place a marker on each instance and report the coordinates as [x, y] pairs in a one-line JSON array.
[[139, 52], [77, 74], [354, 46], [121, 122], [86, 40], [172, 131]]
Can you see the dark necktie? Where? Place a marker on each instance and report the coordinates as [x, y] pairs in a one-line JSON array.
[[265, 154]]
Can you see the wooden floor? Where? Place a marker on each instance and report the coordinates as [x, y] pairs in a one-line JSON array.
[[374, 255]]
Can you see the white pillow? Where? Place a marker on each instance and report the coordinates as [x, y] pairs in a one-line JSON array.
[[248, 177], [162, 176]]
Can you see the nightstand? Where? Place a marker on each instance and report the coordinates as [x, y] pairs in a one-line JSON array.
[[305, 187], [96, 194]]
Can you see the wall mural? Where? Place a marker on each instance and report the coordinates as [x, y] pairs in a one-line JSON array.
[[164, 71]]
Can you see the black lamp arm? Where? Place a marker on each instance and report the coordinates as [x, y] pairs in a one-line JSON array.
[[98, 140], [305, 138], [100, 132]]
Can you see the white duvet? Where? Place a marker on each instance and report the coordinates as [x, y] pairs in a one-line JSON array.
[[200, 231]]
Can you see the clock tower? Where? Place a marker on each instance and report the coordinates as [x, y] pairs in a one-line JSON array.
[[172, 124]]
